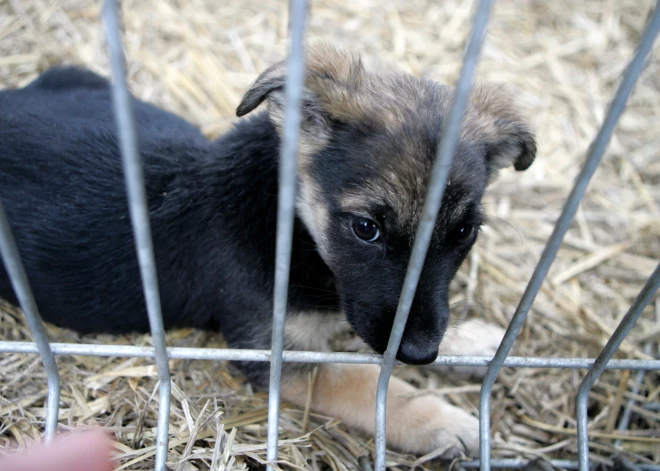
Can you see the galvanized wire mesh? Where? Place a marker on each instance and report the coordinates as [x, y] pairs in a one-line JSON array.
[[286, 198]]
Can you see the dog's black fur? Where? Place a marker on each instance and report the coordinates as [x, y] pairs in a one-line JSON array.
[[212, 205], [213, 209]]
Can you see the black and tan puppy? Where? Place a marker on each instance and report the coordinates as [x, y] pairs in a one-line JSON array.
[[367, 146]]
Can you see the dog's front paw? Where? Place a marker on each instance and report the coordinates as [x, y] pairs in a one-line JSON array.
[[473, 337], [428, 424]]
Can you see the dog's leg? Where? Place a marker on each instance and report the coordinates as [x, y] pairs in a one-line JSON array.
[[415, 423], [473, 337]]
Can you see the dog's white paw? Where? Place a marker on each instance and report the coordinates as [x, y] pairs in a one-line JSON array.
[[428, 424], [473, 337]]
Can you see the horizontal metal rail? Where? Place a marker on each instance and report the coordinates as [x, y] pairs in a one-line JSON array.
[[288, 356], [557, 464]]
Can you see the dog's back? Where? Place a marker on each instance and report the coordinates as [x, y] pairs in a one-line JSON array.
[[62, 186]]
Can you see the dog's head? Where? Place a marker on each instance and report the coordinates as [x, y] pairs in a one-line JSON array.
[[367, 145]]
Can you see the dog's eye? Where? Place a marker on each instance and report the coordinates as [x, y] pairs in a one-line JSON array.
[[366, 229], [464, 234]]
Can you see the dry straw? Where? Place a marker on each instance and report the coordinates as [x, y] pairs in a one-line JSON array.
[[562, 58]]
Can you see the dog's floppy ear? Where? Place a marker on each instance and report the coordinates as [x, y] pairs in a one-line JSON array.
[[334, 90], [494, 122], [270, 87], [271, 81]]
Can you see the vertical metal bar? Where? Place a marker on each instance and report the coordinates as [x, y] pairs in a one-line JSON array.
[[624, 327], [285, 213], [595, 154], [624, 423], [139, 212], [442, 165], [19, 281]]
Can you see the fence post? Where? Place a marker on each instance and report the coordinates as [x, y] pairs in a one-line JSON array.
[[139, 212], [450, 132], [624, 328], [19, 281], [594, 156], [293, 90]]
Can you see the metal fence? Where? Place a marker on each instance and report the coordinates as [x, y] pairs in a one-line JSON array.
[[285, 219]]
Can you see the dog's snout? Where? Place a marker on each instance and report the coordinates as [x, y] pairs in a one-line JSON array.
[[423, 333], [414, 353]]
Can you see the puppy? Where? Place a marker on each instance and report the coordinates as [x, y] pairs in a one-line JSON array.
[[367, 146]]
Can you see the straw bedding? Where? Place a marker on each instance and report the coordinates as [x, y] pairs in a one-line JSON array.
[[562, 58]]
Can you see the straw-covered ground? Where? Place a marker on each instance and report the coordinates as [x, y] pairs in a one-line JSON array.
[[562, 58]]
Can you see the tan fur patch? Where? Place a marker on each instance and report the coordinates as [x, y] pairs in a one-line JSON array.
[[347, 92], [312, 137], [313, 211], [337, 83], [312, 331]]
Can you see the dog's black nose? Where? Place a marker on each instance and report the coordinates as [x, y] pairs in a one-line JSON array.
[[416, 353]]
